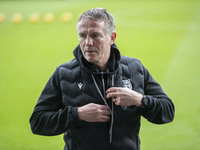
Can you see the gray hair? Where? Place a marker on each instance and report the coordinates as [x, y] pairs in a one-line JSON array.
[[100, 14]]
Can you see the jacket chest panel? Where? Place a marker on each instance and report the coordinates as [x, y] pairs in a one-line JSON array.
[[80, 91], [132, 79]]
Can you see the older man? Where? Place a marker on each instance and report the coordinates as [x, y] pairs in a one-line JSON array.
[[98, 98]]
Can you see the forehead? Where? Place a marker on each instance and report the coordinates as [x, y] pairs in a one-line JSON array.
[[90, 24]]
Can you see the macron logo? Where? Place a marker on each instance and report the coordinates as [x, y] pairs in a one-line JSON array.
[[80, 85]]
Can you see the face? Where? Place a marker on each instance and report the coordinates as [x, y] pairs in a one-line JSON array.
[[95, 42]]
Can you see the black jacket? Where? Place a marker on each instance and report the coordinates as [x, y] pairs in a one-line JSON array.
[[77, 83]]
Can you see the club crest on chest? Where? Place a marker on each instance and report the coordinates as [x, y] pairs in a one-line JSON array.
[[127, 84]]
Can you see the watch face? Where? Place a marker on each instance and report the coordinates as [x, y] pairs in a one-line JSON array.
[[146, 101]]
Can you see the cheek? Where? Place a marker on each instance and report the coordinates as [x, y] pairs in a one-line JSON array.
[[82, 49], [81, 45]]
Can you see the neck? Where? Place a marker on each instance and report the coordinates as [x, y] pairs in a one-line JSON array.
[[102, 68]]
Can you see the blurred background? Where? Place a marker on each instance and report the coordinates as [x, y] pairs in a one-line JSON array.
[[36, 36]]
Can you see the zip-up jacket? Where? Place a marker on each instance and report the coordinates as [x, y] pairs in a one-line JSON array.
[[78, 82]]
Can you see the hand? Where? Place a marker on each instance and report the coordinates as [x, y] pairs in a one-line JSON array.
[[94, 113], [124, 96]]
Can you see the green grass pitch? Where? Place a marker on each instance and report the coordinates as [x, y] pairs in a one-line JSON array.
[[163, 34]]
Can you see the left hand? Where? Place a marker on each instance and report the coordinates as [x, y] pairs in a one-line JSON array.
[[124, 96]]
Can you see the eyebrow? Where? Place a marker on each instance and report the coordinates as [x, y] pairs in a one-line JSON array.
[[95, 32]]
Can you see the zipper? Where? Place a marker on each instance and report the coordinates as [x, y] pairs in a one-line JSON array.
[[104, 99], [103, 84], [104, 94]]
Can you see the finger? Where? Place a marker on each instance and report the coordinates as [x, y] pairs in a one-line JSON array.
[[104, 112], [109, 95], [114, 99], [112, 89], [113, 94], [117, 103], [104, 118], [103, 107]]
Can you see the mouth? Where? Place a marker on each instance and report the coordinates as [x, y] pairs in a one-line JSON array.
[[90, 51]]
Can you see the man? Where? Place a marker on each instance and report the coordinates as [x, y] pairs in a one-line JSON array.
[[98, 98]]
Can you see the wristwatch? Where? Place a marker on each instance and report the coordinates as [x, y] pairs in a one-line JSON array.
[[145, 102]]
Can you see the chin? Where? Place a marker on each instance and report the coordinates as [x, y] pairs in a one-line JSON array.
[[90, 58], [91, 61]]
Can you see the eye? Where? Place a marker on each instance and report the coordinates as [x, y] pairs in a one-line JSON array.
[[82, 36], [96, 35]]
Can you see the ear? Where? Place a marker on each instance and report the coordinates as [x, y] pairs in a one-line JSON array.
[[113, 37]]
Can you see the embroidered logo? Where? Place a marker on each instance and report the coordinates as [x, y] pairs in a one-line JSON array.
[[80, 85], [127, 84]]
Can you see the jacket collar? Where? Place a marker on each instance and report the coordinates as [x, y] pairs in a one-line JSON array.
[[112, 66]]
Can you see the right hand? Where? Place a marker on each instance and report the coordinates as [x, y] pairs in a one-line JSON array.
[[94, 113]]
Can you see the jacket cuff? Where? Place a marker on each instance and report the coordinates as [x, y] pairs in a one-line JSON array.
[[76, 119], [150, 104]]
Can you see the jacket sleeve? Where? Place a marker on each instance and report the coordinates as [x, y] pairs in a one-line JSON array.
[[49, 116], [161, 108]]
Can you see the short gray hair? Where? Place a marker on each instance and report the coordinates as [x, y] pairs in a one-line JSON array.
[[100, 14]]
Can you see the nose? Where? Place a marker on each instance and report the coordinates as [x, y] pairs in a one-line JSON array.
[[88, 41]]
